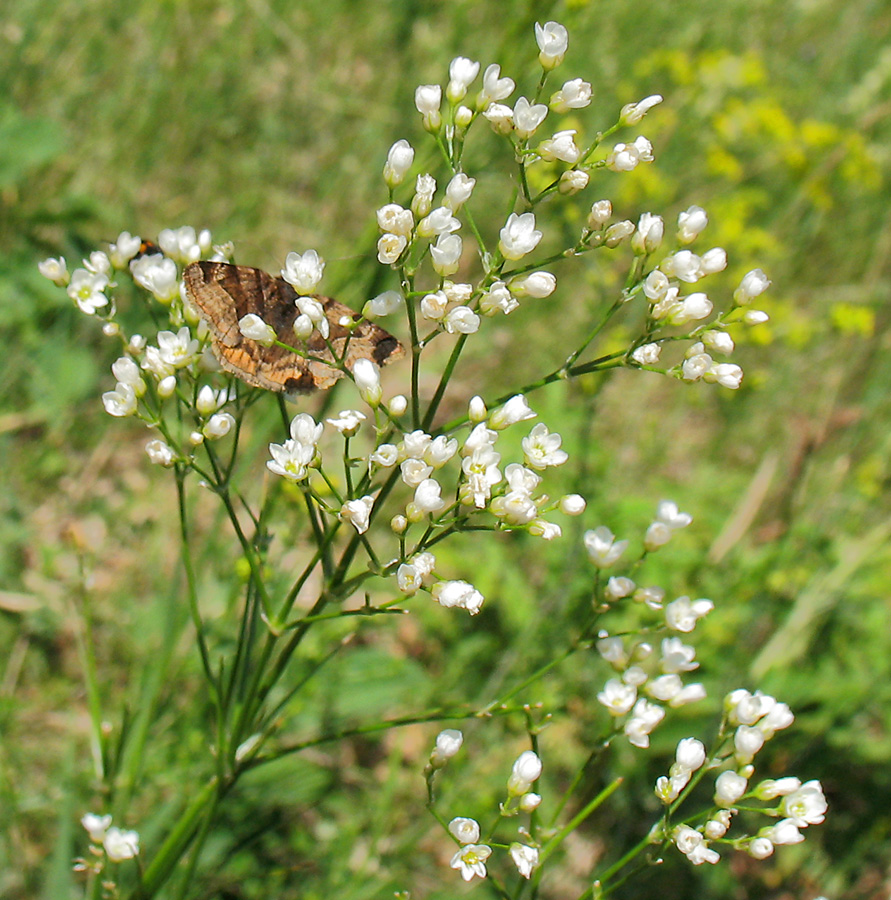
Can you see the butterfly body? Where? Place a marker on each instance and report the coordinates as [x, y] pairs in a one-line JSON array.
[[224, 293]]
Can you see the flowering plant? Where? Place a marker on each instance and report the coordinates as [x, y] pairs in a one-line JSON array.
[[380, 486]]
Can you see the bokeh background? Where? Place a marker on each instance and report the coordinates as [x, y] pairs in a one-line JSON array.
[[268, 121]]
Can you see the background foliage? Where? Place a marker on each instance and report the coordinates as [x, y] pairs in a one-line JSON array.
[[268, 121]]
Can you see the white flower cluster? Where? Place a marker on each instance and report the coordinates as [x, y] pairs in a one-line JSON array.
[[757, 718], [646, 682], [470, 859], [119, 845]]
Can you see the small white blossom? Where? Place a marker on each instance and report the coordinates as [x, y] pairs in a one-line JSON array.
[[806, 806], [120, 402], [519, 236], [647, 354], [461, 320], [160, 453], [55, 270], [603, 548], [425, 188], [428, 99], [536, 284], [648, 235], [683, 613], [691, 223], [500, 117], [525, 770], [358, 513], [526, 117], [561, 146], [515, 410], [572, 504], [348, 421], [448, 743], [96, 826], [525, 858], [600, 214], [384, 304], [458, 594], [462, 72], [572, 181], [541, 448], [217, 426], [471, 860], [575, 94], [399, 160], [86, 290], [466, 831], [727, 375], [552, 39], [395, 219], [458, 191], [254, 328], [120, 845], [632, 113], [729, 787], [446, 254], [495, 87], [618, 697], [390, 247], [753, 285], [498, 299], [367, 376]]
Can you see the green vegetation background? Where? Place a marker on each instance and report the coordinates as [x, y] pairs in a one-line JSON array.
[[268, 121]]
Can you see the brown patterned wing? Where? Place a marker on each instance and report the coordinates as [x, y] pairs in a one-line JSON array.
[[225, 293]]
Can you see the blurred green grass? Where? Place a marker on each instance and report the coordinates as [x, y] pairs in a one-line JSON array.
[[268, 122]]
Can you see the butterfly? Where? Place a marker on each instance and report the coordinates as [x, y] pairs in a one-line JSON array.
[[224, 293]]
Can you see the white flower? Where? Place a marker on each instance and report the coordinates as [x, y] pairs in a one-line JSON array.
[[625, 157], [691, 223], [121, 845], [807, 805], [446, 254], [395, 219], [572, 504], [753, 285], [86, 290], [714, 260], [160, 453], [54, 269], [696, 306], [98, 263], [667, 511], [541, 449], [217, 426], [428, 98], [425, 188], [458, 191], [561, 146], [184, 244], [515, 410], [399, 160], [618, 587], [525, 770], [747, 741], [439, 221], [458, 594], [575, 94], [434, 306], [529, 802], [348, 421], [525, 858], [677, 656], [690, 754], [498, 299], [428, 497], [729, 787], [617, 232], [179, 349], [384, 304], [462, 72], [254, 328], [414, 471], [519, 236], [127, 372], [494, 87], [461, 320], [303, 271], [728, 375], [683, 613], [536, 284], [440, 450], [448, 743], [367, 376], [471, 860], [696, 364], [784, 832], [718, 342], [466, 831], [618, 697], [157, 274], [603, 548], [647, 354], [648, 235], [552, 40], [120, 402], [500, 117], [357, 513], [601, 211], [526, 116], [96, 826], [414, 444], [632, 113], [644, 718], [291, 459], [572, 181]]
